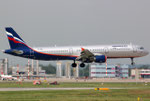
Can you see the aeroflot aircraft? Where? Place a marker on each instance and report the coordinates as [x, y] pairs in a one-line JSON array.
[[85, 54]]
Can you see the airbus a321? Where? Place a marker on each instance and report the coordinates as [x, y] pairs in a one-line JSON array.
[[85, 54]]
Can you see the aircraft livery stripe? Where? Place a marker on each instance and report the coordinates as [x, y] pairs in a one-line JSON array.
[[15, 41], [10, 35]]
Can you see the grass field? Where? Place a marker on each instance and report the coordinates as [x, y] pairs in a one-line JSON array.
[[136, 90], [76, 95], [76, 84]]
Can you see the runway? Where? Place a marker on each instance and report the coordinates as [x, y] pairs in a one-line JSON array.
[[31, 89]]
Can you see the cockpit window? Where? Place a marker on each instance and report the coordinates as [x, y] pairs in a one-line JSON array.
[[142, 48]]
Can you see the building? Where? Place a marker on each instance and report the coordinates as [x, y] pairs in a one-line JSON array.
[[140, 73], [145, 73], [109, 71], [102, 71], [4, 66], [122, 71]]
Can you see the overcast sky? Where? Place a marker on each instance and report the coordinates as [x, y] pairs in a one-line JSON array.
[[76, 22]]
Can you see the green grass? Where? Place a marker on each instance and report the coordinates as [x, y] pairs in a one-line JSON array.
[[77, 84], [77, 95], [136, 90]]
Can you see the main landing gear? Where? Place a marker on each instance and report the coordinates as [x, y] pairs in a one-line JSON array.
[[132, 61], [82, 65], [75, 64]]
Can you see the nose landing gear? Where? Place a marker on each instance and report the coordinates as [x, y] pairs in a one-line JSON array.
[[132, 61]]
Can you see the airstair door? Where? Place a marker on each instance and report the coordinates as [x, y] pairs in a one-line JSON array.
[[106, 50], [134, 49]]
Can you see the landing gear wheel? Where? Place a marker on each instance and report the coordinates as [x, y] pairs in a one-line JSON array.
[[74, 65], [82, 65], [132, 61]]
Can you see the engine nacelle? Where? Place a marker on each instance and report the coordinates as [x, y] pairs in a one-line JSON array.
[[100, 58]]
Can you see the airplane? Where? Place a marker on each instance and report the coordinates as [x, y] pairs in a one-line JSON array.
[[85, 54], [7, 77]]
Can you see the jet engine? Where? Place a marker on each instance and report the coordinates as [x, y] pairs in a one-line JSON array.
[[100, 58]]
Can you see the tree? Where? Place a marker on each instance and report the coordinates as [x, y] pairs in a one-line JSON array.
[[49, 69], [84, 71]]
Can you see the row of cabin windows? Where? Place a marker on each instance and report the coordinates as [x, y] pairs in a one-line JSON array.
[[119, 49], [57, 51], [66, 51], [79, 50], [102, 50]]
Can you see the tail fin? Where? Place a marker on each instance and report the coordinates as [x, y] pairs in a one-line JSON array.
[[14, 39]]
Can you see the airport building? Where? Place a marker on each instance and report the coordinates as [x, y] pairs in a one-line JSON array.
[[95, 70], [140, 73], [67, 70], [145, 73], [102, 71], [122, 71], [109, 71], [4, 66]]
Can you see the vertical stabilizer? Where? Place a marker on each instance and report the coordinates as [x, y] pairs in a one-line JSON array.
[[14, 39]]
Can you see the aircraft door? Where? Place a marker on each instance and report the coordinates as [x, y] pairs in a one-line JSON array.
[[134, 49], [106, 50]]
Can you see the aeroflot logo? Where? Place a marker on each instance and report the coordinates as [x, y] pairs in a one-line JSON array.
[[120, 46], [17, 39]]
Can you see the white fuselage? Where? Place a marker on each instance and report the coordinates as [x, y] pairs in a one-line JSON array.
[[111, 51]]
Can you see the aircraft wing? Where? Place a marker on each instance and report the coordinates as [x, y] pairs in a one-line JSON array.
[[86, 56]]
